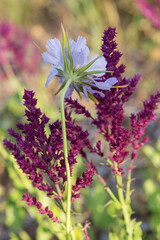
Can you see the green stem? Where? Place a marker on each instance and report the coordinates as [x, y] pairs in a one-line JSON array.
[[65, 150], [125, 206], [128, 189], [113, 196]]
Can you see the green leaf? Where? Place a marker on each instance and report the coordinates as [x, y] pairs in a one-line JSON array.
[[77, 92], [137, 231], [63, 50], [93, 72], [86, 83], [69, 53], [61, 71], [13, 236], [109, 161], [83, 69], [38, 47], [89, 95], [113, 236], [92, 98], [119, 86], [108, 203], [61, 87]]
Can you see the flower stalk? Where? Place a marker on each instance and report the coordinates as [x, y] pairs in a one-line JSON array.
[[65, 150]]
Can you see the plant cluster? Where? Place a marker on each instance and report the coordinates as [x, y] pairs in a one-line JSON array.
[[49, 159]]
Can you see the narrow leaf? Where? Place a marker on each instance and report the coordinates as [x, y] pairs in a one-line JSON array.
[[92, 98], [69, 53], [63, 49], [83, 69], [61, 71], [94, 72], [38, 47], [78, 92], [61, 87], [108, 203], [123, 86], [88, 84]]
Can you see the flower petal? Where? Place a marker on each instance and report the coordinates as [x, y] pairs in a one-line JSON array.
[[100, 93], [85, 92], [53, 73], [98, 65], [48, 58], [81, 45], [54, 47], [60, 80], [55, 50], [78, 59], [107, 84], [80, 52], [69, 91]]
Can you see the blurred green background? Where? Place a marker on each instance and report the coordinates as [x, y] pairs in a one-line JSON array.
[[139, 41]]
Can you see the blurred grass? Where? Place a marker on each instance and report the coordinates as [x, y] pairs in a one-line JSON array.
[[151, 186], [139, 42]]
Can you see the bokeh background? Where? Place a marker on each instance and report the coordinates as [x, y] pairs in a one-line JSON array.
[[28, 22]]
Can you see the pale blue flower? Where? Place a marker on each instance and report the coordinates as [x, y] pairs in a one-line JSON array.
[[77, 58]]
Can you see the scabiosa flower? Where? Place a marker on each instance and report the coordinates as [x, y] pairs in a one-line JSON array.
[[71, 61]]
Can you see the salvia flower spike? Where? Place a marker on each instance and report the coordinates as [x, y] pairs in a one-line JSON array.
[[70, 61]]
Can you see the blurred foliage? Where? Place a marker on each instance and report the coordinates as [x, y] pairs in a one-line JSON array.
[[102, 213], [15, 210], [152, 187], [139, 42], [19, 216]]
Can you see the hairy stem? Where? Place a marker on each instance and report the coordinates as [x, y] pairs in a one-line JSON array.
[[65, 150]]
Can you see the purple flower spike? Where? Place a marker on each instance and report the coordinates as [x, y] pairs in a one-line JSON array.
[[123, 142]]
